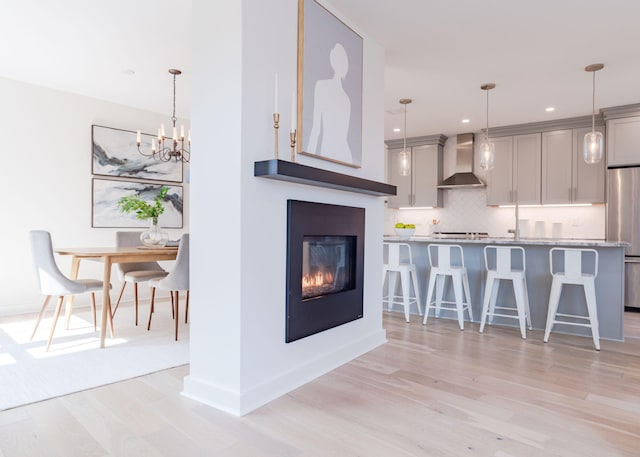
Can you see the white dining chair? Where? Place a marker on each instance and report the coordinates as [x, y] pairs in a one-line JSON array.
[[52, 282], [135, 272], [176, 281]]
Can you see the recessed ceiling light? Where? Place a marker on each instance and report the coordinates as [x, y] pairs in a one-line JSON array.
[[396, 129], [466, 121], [129, 72], [549, 109]]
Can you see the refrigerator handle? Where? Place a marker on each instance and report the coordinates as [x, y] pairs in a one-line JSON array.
[[632, 260]]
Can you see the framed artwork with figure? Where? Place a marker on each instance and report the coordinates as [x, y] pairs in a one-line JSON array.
[[329, 87]]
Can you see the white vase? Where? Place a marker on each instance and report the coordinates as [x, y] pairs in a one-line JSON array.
[[155, 236]]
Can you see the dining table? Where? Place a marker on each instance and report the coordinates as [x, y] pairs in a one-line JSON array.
[[110, 256]]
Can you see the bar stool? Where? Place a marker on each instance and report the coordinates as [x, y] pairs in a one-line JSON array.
[[408, 275], [504, 269], [441, 267], [574, 273]]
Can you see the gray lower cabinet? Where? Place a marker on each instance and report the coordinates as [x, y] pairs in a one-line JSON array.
[[419, 188], [516, 174], [566, 178]]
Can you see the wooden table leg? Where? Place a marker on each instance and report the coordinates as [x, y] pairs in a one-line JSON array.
[[75, 267], [106, 301]]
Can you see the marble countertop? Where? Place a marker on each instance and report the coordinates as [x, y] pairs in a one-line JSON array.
[[522, 242]]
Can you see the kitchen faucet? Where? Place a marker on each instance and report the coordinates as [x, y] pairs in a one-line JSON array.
[[516, 232]]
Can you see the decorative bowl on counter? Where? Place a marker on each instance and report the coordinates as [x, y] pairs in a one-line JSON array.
[[405, 233]]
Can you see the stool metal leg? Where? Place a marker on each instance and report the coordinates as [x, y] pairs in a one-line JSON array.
[[465, 285], [554, 299], [520, 306], [427, 303], [488, 293], [590, 295], [440, 279], [457, 290], [406, 289], [391, 288], [414, 278], [526, 302]]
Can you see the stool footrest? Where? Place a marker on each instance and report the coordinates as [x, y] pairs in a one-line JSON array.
[[503, 315]]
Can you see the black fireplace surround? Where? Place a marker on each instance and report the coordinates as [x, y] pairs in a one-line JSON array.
[[325, 251]]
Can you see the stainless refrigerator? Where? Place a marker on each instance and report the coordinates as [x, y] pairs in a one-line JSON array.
[[623, 224]]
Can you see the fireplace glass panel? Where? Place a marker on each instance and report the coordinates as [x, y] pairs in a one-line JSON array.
[[327, 265]]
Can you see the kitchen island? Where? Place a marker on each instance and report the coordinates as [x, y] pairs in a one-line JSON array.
[[609, 282]]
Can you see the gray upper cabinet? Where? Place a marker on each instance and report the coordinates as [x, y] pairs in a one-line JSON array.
[[517, 170], [623, 141], [419, 188], [557, 163], [566, 178]]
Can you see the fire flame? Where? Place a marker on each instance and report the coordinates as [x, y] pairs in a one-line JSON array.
[[317, 279]]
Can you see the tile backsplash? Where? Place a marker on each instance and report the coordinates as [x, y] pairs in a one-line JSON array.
[[466, 210]]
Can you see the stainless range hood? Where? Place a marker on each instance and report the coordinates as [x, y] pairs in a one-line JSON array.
[[463, 178]]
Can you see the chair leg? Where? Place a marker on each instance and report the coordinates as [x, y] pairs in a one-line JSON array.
[[173, 313], [440, 280], [135, 295], [427, 303], [520, 306], [590, 295], [391, 289], [153, 294], [554, 299], [110, 317], [44, 306], [457, 291], [186, 309], [467, 292], [93, 311], [67, 314], [406, 291], [55, 320], [414, 279], [485, 303], [124, 283], [176, 314]]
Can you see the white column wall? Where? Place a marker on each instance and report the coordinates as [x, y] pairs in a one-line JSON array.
[[46, 180], [239, 359]]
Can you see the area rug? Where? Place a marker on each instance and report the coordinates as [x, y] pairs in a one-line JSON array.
[[75, 362]]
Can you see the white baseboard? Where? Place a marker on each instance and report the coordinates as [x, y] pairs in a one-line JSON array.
[[241, 403]]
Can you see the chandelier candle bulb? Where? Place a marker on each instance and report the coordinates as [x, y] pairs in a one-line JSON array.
[[138, 138], [153, 146], [175, 134], [182, 132], [162, 131]]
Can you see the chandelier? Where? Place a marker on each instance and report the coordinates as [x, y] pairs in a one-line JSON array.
[[169, 148]]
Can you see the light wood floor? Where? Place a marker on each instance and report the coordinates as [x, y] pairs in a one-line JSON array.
[[431, 391]]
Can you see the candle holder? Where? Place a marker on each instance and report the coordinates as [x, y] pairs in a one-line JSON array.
[[292, 137], [276, 126]]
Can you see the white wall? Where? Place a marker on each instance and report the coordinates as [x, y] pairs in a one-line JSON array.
[[239, 359], [46, 177], [466, 210]]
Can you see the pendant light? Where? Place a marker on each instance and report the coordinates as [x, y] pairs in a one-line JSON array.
[[404, 158], [592, 146], [487, 149]]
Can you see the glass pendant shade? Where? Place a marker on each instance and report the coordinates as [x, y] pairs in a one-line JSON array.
[[404, 163], [487, 155], [592, 147]]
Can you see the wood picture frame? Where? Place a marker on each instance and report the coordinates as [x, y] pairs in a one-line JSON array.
[[105, 194], [115, 153], [330, 72]]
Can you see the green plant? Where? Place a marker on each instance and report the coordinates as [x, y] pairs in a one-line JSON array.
[[143, 209]]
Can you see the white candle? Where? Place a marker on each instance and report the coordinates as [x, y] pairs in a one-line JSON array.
[[138, 138], [182, 132], [189, 136], [175, 134], [275, 95], [159, 134], [162, 129], [153, 145], [293, 110]]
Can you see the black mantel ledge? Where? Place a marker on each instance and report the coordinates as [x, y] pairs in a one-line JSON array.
[[303, 174]]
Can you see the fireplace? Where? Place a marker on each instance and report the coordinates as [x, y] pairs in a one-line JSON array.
[[325, 261]]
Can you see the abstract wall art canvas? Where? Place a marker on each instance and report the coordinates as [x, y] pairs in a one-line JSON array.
[[107, 192], [329, 86], [115, 153]]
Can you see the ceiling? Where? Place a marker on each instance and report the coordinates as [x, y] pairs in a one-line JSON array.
[[437, 52]]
